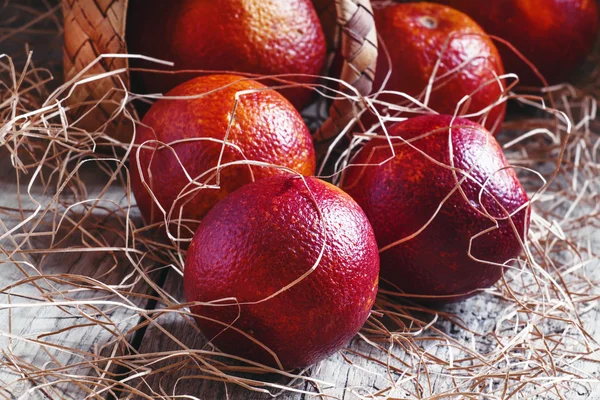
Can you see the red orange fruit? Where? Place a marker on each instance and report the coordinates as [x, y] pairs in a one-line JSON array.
[[263, 127], [416, 35], [555, 35], [435, 239], [254, 36], [300, 258]]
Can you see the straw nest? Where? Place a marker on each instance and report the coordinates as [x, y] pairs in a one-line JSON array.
[[74, 252]]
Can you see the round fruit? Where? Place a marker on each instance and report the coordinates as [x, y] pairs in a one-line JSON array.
[[411, 193], [416, 35], [258, 246], [555, 35], [265, 127], [264, 37]]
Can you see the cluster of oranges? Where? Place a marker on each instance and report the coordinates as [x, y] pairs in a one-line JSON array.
[[283, 268]]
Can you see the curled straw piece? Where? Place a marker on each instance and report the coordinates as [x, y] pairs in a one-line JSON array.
[[72, 206]]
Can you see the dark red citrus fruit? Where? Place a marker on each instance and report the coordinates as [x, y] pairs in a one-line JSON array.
[[254, 36], [416, 35], [555, 35], [267, 236], [415, 193], [265, 127]]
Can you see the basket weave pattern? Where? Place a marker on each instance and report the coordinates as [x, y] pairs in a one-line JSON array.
[[92, 28], [95, 27], [359, 50]]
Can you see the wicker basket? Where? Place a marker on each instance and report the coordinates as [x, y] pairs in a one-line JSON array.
[[94, 27]]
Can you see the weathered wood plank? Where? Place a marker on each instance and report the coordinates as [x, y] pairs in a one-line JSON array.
[[351, 376], [38, 336], [30, 325]]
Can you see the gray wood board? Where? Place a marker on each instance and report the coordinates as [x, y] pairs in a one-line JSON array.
[[39, 335], [349, 376]]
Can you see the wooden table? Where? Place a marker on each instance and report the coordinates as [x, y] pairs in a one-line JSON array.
[[90, 301], [42, 336]]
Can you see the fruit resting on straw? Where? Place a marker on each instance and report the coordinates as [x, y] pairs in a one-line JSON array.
[[555, 35], [446, 208], [300, 258], [210, 130], [425, 40]]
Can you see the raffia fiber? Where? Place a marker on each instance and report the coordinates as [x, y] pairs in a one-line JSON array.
[[65, 206]]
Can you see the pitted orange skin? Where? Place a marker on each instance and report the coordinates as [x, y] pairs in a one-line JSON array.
[[253, 36], [415, 35], [262, 238], [555, 35], [266, 128], [400, 196]]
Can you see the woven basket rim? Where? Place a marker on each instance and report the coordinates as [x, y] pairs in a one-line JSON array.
[[94, 27]]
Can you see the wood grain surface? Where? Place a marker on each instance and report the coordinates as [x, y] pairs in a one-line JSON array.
[[43, 336]]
